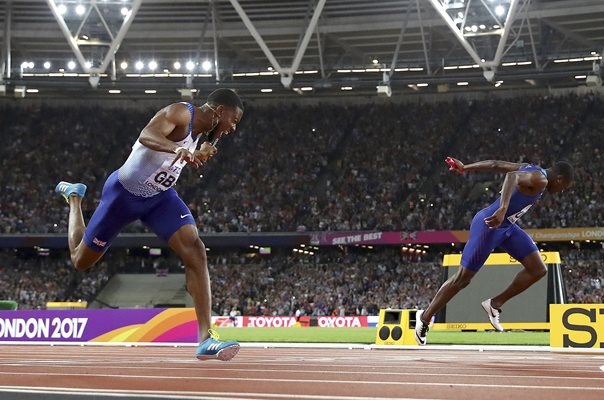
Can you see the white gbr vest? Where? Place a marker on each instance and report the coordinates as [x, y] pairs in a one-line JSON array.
[[148, 172]]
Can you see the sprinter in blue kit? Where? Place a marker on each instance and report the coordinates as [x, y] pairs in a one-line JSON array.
[[495, 226], [142, 189]]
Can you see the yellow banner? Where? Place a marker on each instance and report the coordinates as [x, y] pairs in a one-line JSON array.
[[548, 257], [66, 304], [577, 325]]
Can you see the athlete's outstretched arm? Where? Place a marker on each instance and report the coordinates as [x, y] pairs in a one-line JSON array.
[[487, 165]]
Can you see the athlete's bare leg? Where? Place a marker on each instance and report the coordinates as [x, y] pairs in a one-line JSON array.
[[76, 226], [534, 270], [189, 247], [82, 256], [447, 291]]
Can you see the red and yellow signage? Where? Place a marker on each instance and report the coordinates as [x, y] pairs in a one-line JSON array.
[[427, 237]]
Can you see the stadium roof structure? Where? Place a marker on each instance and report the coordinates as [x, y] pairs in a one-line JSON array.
[[297, 47]]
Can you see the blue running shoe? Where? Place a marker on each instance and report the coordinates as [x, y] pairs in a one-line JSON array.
[[66, 189], [212, 348]]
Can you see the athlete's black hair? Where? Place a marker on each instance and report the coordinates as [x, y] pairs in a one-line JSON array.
[[565, 169], [225, 97]]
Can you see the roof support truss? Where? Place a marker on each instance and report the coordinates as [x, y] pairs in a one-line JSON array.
[[5, 66], [489, 66], [114, 46], [287, 74]]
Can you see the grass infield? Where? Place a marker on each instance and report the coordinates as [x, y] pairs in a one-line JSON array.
[[367, 336]]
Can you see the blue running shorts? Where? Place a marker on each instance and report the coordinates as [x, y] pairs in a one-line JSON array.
[[163, 213], [483, 240]]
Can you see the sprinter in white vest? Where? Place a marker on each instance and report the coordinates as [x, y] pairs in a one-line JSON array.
[[142, 189]]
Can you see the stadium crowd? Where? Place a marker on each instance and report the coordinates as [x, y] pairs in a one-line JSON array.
[[326, 284], [330, 283], [33, 280], [534, 130], [308, 168], [320, 167], [584, 276]]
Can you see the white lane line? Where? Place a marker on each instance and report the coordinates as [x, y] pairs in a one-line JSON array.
[[263, 359], [289, 346], [426, 364], [329, 357], [196, 364], [321, 372], [246, 354], [179, 394], [602, 367], [339, 382], [294, 351]]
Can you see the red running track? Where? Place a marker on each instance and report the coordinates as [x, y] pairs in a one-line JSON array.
[[278, 373]]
